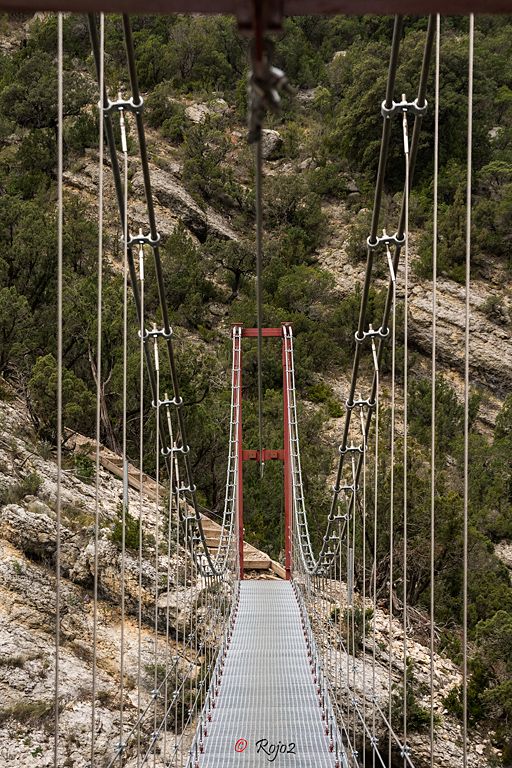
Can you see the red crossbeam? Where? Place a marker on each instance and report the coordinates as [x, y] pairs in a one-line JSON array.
[[252, 333], [268, 455]]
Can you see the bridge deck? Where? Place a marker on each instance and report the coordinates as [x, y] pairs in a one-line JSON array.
[[267, 690]]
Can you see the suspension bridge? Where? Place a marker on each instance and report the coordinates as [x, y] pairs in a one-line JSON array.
[[267, 669]]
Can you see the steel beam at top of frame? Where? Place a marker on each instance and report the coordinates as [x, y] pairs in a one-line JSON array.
[[273, 10]]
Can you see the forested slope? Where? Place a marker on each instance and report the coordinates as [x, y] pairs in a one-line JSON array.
[[320, 172]]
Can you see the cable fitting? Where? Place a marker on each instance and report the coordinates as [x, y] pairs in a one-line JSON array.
[[381, 333], [337, 518], [351, 449], [386, 240], [123, 105], [403, 106], [341, 488], [155, 333], [265, 84], [177, 401], [144, 240], [187, 489], [184, 449], [360, 404]]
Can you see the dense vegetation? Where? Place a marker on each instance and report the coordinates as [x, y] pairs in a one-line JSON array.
[[210, 283]]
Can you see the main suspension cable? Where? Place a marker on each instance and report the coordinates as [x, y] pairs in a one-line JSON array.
[[414, 144]]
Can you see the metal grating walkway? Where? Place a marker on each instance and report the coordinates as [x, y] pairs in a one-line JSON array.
[[267, 690]]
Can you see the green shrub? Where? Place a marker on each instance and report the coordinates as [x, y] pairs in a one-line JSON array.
[[31, 484], [131, 530], [418, 717], [27, 712], [84, 467]]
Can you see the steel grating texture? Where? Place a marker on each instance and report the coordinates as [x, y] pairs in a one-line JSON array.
[[267, 691]]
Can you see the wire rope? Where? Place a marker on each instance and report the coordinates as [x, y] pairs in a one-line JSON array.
[[259, 289], [406, 422], [99, 339], [157, 544], [363, 540], [433, 383], [60, 219], [141, 495], [391, 494], [169, 551], [124, 514], [375, 546], [467, 318]]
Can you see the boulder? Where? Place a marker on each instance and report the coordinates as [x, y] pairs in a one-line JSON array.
[[271, 144]]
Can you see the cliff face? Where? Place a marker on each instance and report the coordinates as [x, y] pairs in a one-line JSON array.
[[490, 349], [385, 662], [27, 517], [27, 609], [27, 625]]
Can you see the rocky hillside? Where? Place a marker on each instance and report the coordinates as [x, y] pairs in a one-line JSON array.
[[27, 627], [320, 160]]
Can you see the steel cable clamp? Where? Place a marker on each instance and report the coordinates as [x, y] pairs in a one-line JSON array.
[[351, 449], [381, 333], [177, 401], [123, 105], [403, 106], [188, 489], [337, 518], [184, 449], [386, 240], [155, 333], [141, 239], [360, 404], [340, 488]]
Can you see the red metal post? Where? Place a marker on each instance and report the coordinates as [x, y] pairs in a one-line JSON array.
[[287, 475], [268, 454], [240, 460]]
